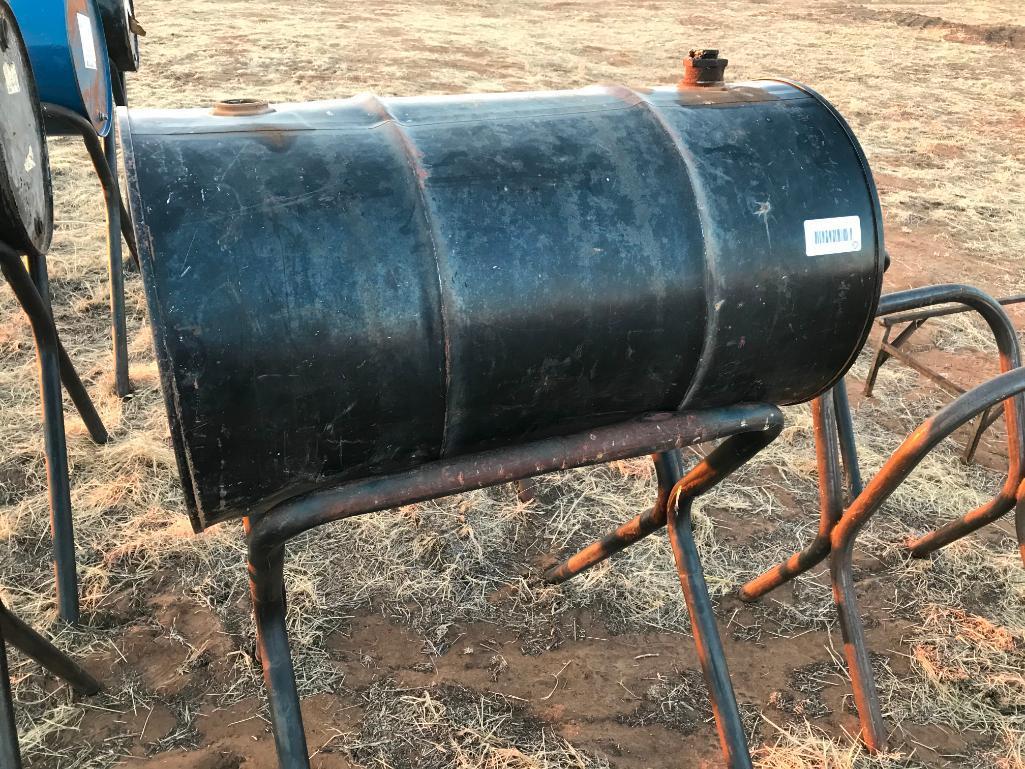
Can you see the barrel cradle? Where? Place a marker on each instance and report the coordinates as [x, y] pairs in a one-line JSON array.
[[26, 199], [69, 56], [345, 289], [120, 29]]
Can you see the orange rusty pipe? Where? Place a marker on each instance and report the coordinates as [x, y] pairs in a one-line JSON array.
[[830, 504], [894, 472], [722, 461]]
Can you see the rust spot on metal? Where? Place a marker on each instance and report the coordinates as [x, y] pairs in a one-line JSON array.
[[703, 68], [241, 108]]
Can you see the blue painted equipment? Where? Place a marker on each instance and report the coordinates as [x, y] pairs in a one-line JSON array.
[[69, 56], [26, 201]]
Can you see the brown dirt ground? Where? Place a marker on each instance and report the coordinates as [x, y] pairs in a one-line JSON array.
[[178, 699]]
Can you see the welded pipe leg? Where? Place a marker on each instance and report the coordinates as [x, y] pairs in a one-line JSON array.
[[1019, 521], [668, 470], [728, 722], [10, 754], [723, 460], [39, 648], [40, 311], [56, 450], [118, 324], [979, 427], [939, 538], [830, 505], [878, 360], [848, 443], [859, 662], [80, 397], [266, 582]]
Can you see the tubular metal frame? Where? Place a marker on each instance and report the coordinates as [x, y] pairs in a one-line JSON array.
[[748, 429], [914, 320], [832, 517], [1007, 387], [31, 289], [15, 632], [825, 437], [104, 158]]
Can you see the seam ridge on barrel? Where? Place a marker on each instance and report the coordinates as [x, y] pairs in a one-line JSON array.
[[419, 179], [712, 287]]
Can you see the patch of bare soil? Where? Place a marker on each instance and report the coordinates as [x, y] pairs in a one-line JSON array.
[[1006, 35]]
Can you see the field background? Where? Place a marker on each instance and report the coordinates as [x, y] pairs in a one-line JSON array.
[[423, 637]]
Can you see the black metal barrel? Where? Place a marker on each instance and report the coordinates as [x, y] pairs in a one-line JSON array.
[[349, 288], [120, 29], [26, 199]]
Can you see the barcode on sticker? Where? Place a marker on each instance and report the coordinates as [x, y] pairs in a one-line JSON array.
[[85, 32], [11, 78], [836, 235]]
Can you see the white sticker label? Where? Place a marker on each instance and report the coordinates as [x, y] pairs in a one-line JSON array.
[[85, 31], [836, 235], [30, 161], [11, 78]]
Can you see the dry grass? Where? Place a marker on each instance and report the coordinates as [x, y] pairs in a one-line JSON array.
[[953, 144]]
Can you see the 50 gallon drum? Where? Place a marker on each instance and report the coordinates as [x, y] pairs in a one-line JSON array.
[[26, 200], [119, 27], [69, 56], [349, 288]]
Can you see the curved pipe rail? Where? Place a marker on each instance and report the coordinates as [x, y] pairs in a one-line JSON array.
[[660, 434], [825, 439], [900, 465], [1014, 409]]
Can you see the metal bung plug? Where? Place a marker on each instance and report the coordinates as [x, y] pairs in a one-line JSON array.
[[703, 68], [241, 107]]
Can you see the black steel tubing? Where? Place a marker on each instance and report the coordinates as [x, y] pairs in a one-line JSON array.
[[1019, 521], [116, 266], [42, 311], [267, 588], [939, 312], [55, 444], [900, 465], [34, 645], [267, 534], [830, 505], [104, 160], [722, 461], [80, 397], [848, 444], [650, 434], [10, 754], [728, 723]]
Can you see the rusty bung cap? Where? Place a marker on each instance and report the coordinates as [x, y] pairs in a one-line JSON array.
[[703, 68], [241, 107]]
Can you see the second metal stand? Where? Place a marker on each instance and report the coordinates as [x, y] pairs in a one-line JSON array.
[[16, 633], [747, 428], [32, 293], [62, 121]]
